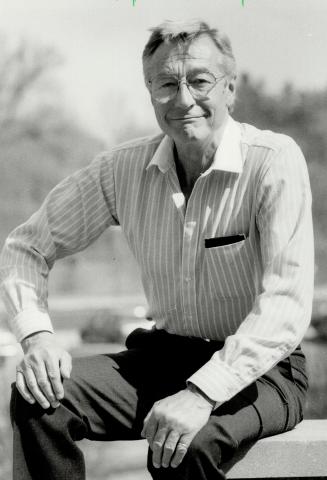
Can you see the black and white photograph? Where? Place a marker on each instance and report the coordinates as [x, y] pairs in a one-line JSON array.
[[163, 239]]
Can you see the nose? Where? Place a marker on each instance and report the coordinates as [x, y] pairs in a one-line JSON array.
[[183, 96]]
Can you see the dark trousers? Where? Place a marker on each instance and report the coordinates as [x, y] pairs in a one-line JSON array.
[[108, 396]]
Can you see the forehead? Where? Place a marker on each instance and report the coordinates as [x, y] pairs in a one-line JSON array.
[[201, 53]]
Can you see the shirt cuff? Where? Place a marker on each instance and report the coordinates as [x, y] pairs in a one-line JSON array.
[[218, 381], [194, 388], [30, 321]]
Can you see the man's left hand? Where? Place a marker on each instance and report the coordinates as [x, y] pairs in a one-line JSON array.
[[171, 425]]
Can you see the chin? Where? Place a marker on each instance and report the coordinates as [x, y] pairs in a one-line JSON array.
[[191, 134]]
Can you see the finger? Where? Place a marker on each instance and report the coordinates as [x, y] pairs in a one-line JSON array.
[[150, 428], [150, 434], [22, 387], [158, 445], [65, 365], [44, 383], [169, 448], [53, 373], [181, 449], [146, 424], [34, 388]]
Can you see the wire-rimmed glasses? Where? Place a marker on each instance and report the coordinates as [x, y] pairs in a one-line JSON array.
[[165, 87]]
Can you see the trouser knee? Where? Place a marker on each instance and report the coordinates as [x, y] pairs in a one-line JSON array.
[[22, 412], [209, 449], [19, 407], [212, 445], [25, 415]]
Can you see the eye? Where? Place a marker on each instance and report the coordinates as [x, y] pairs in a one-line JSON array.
[[168, 83], [165, 83], [201, 81]]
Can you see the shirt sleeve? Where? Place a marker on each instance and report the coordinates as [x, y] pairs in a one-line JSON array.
[[281, 311], [72, 216]]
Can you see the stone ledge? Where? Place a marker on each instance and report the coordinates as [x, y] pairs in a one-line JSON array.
[[300, 453]]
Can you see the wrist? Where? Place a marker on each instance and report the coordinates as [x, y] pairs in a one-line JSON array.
[[34, 338], [194, 389]]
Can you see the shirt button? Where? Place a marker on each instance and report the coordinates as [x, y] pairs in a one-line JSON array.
[[187, 279]]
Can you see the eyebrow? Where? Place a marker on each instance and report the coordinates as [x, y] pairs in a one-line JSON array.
[[191, 72]]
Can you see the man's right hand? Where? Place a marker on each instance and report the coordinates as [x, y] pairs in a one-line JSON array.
[[39, 375]]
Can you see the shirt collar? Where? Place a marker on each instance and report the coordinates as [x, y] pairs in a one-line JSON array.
[[164, 155], [228, 156]]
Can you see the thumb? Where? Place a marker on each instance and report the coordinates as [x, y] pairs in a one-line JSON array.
[[65, 365]]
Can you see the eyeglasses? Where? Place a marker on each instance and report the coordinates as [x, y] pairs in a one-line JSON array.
[[165, 88]]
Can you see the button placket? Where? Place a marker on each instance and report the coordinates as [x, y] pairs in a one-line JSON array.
[[190, 236]]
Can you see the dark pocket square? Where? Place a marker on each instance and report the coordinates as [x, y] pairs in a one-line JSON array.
[[220, 241]]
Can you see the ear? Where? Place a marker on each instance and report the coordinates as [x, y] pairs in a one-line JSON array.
[[230, 91]]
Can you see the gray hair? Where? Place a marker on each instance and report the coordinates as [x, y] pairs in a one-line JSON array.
[[179, 32]]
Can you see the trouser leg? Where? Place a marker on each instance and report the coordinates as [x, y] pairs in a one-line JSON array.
[[100, 403], [271, 405], [108, 397], [43, 441]]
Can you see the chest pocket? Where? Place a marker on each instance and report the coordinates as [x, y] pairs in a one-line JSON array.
[[230, 269]]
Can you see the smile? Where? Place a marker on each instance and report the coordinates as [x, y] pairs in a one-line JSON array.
[[193, 117]]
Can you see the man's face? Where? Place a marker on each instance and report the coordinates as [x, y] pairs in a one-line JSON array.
[[184, 118]]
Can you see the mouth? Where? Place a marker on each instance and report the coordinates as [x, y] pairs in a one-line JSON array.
[[187, 118]]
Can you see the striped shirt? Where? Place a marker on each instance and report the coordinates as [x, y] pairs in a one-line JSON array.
[[254, 294]]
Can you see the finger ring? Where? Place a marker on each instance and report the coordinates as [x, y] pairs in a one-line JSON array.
[[181, 444]]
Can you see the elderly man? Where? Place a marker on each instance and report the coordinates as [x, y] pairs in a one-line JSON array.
[[218, 216]]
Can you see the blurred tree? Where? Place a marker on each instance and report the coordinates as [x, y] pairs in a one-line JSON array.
[[40, 143], [253, 105], [126, 122], [302, 115], [22, 69]]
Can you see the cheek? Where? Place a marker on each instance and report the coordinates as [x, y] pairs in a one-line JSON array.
[[213, 116], [218, 111], [160, 113], [157, 109]]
